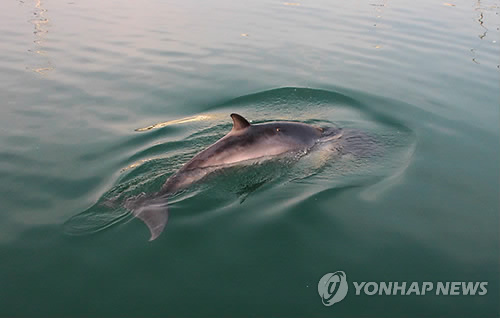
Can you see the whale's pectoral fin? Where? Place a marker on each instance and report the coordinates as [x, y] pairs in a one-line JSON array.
[[155, 215]]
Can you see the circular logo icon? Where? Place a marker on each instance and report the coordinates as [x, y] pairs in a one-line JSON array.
[[332, 287]]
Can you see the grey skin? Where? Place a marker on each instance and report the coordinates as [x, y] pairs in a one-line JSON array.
[[243, 143]]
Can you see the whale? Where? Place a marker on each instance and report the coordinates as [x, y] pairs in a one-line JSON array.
[[244, 143]]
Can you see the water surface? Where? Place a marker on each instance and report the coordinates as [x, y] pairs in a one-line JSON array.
[[109, 98]]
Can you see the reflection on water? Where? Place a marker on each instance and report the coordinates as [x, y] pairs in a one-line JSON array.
[[40, 23], [379, 9], [179, 121], [482, 9]]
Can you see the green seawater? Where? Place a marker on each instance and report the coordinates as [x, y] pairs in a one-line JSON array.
[[103, 100]]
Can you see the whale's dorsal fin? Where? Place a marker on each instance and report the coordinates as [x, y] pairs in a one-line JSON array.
[[239, 122]]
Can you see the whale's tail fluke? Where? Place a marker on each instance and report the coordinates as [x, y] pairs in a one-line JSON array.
[[151, 210]]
